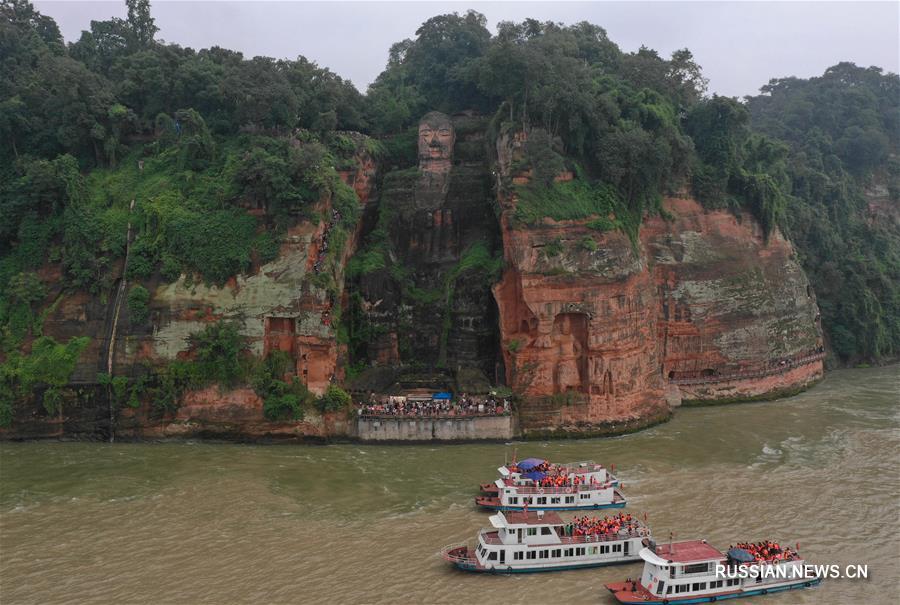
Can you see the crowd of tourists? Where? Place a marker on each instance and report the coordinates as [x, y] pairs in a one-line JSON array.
[[465, 405], [555, 476], [596, 526], [767, 551], [563, 480], [323, 246]]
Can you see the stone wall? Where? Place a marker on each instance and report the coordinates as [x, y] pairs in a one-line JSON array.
[[435, 429]]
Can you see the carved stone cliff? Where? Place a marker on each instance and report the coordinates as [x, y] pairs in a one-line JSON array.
[[427, 303]]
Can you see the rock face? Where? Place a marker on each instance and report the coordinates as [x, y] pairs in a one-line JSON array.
[[280, 305], [595, 327], [736, 312]]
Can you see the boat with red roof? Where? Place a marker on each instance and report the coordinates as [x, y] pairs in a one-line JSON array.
[[537, 484], [535, 541], [696, 572]]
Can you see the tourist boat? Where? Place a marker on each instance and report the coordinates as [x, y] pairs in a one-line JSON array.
[[524, 542], [524, 473], [686, 572], [582, 486]]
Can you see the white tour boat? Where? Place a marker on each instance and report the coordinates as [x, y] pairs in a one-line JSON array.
[[536, 484], [524, 542], [686, 572]]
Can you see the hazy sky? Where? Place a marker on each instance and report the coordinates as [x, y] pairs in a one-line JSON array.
[[740, 45]]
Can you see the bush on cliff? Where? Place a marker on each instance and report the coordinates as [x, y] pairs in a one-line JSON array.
[[138, 297], [220, 353], [49, 364], [335, 398], [281, 400]]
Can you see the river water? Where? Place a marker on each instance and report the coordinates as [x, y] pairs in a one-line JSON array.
[[221, 523]]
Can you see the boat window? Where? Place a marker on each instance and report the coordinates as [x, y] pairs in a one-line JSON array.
[[532, 554], [716, 584], [570, 499], [604, 549], [545, 531], [556, 553], [542, 500], [518, 556], [585, 496], [592, 550], [669, 590], [554, 500], [617, 547], [682, 588], [513, 499], [579, 552], [696, 568], [698, 586], [544, 554], [492, 556], [570, 552], [532, 531], [661, 588]]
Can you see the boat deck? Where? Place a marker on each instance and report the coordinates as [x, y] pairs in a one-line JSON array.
[[624, 593]]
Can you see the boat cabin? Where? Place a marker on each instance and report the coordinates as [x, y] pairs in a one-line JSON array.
[[540, 539]]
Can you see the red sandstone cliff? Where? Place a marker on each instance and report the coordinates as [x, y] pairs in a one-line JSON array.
[[597, 331]]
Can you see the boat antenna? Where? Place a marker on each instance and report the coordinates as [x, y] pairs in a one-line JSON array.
[[671, 545]]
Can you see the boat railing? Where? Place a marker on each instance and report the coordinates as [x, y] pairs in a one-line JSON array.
[[585, 466], [592, 538], [493, 537], [566, 489]]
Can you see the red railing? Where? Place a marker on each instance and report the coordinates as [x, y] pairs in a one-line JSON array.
[[493, 538]]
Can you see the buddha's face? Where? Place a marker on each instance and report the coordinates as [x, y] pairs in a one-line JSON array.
[[436, 138]]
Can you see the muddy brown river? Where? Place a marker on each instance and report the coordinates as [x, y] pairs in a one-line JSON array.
[[220, 523]]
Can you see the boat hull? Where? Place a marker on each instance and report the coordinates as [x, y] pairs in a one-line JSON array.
[[568, 567], [464, 559], [623, 595]]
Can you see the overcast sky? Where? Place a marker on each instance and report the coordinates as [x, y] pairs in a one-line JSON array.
[[740, 45]]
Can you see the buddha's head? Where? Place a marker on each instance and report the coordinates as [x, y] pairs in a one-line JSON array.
[[436, 139]]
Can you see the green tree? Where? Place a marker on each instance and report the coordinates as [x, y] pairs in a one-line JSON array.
[[140, 22]]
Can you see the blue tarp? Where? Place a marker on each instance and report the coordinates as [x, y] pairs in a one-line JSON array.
[[442, 395], [535, 475], [530, 463], [739, 554]]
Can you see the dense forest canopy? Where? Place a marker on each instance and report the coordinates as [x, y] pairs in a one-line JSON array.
[[212, 127]]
